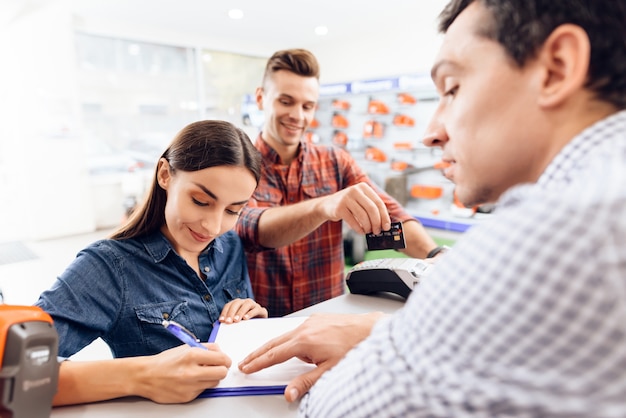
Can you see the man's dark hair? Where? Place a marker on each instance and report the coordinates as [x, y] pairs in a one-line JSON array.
[[297, 61], [522, 26]]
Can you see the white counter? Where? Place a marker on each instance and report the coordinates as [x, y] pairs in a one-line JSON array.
[[273, 406]]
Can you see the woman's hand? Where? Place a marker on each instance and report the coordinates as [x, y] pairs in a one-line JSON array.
[[176, 375], [182, 373], [240, 309]]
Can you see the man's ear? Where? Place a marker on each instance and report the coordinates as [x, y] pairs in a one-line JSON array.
[[163, 174], [259, 98], [565, 57]]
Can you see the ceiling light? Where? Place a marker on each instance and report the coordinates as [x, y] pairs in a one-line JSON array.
[[235, 13], [321, 30]]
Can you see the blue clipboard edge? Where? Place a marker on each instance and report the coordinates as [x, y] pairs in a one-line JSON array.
[[243, 391], [239, 391]]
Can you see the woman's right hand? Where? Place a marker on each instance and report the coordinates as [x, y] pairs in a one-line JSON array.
[[176, 375], [181, 373]]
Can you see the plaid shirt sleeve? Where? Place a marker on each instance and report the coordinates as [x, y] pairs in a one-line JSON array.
[[247, 227], [309, 270], [354, 175], [524, 317]]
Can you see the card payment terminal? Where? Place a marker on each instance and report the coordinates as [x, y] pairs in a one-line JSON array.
[[395, 275]]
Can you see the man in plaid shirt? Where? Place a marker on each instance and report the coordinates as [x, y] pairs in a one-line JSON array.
[[526, 315], [292, 226]]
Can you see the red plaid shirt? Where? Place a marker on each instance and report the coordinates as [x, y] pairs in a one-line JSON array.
[[310, 270]]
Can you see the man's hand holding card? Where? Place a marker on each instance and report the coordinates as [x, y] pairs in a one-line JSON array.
[[391, 239]]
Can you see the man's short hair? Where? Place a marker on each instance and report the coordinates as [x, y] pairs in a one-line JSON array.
[[522, 26], [297, 61]]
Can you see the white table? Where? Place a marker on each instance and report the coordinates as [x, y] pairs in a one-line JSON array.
[[273, 406]]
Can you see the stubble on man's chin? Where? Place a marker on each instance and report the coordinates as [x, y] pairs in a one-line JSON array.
[[476, 198]]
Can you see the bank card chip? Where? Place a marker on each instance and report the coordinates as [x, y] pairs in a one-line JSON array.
[[393, 239]]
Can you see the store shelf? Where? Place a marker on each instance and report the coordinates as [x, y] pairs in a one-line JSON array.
[[377, 113], [446, 221], [366, 113], [445, 224]]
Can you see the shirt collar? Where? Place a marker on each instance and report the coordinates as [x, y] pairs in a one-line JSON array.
[[269, 152], [158, 246], [573, 157], [571, 160]]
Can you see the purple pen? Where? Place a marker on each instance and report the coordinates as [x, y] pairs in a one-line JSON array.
[[182, 334]]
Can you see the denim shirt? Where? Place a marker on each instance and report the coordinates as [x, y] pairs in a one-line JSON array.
[[122, 290]]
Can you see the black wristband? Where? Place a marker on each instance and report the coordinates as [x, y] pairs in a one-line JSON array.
[[437, 250]]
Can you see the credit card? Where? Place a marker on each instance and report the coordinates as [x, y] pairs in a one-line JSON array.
[[393, 239]]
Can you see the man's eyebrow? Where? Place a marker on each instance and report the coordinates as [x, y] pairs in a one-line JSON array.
[[437, 66], [213, 196]]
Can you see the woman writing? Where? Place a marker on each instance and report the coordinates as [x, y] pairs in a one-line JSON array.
[[175, 259]]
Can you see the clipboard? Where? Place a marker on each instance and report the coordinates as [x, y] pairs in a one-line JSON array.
[[240, 339]]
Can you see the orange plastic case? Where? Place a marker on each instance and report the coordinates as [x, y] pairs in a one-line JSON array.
[[375, 154], [373, 128], [404, 121], [377, 107], [403, 145], [406, 99], [13, 314], [399, 165], [339, 121], [421, 191], [341, 104]]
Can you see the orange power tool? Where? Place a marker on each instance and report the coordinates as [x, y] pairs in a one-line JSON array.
[[30, 369]]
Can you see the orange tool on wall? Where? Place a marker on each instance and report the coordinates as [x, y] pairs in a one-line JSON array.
[[404, 121], [377, 107], [403, 145], [406, 99], [422, 191], [373, 129], [341, 104], [398, 165], [375, 154], [339, 121]]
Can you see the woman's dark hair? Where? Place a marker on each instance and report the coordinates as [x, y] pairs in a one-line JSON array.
[[522, 26], [199, 145], [298, 61]]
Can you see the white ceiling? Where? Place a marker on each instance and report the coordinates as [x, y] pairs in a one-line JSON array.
[[267, 25], [366, 38]]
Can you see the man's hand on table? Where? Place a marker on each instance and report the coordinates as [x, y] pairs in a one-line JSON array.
[[323, 340]]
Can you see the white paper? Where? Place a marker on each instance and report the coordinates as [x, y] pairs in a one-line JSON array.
[[240, 339]]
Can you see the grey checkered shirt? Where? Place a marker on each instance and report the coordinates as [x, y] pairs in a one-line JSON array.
[[524, 317]]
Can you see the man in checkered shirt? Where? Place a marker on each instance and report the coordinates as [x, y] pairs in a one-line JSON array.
[[526, 315]]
